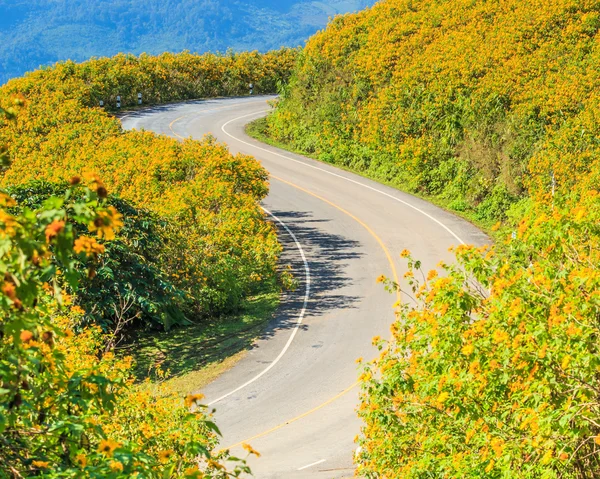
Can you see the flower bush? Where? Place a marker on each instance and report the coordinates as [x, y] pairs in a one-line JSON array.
[[183, 237], [491, 107], [494, 371], [67, 408]]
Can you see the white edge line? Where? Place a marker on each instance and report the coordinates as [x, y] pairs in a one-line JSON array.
[[336, 175], [311, 465], [298, 322]]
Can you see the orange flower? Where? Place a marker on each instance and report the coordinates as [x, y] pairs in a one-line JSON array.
[[53, 229], [250, 449], [26, 336], [192, 399], [89, 246], [10, 290], [81, 460]]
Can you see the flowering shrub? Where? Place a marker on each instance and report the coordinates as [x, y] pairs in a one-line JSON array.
[[59, 393], [127, 281], [164, 78], [494, 371]]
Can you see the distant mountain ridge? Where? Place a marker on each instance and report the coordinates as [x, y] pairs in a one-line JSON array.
[[41, 32]]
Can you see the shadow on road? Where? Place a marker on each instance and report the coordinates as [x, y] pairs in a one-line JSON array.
[[328, 257], [187, 349]]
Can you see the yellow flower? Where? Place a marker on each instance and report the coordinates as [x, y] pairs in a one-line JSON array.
[[165, 456], [547, 457], [467, 349], [405, 253], [7, 201], [81, 460], [89, 246], [192, 472], [53, 229], [381, 279], [250, 449], [107, 222], [500, 336], [41, 464], [432, 274], [215, 464], [108, 447], [116, 466], [498, 446]]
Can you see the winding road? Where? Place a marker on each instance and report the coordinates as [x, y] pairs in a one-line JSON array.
[[294, 395]]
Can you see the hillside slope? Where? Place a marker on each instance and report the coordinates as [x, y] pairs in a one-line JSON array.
[[34, 33], [454, 100]]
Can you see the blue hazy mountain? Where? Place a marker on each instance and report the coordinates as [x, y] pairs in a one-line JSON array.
[[41, 32]]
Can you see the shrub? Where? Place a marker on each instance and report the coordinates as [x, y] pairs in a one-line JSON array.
[[493, 372], [415, 85]]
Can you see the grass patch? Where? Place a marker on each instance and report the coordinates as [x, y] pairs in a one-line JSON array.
[[258, 130], [192, 356]]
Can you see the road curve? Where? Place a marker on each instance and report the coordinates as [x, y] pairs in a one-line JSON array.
[[293, 397]]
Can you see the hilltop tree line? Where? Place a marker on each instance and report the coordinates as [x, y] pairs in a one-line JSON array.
[[34, 33]]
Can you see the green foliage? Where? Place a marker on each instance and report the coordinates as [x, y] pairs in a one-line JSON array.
[[129, 275]]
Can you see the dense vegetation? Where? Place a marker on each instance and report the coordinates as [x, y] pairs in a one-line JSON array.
[[492, 108], [413, 93], [208, 244], [41, 32], [180, 236], [67, 407]]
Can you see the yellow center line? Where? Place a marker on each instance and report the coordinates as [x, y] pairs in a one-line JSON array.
[[297, 418], [394, 274], [358, 220]]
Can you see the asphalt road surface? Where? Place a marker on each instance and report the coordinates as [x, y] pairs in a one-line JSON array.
[[293, 397]]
